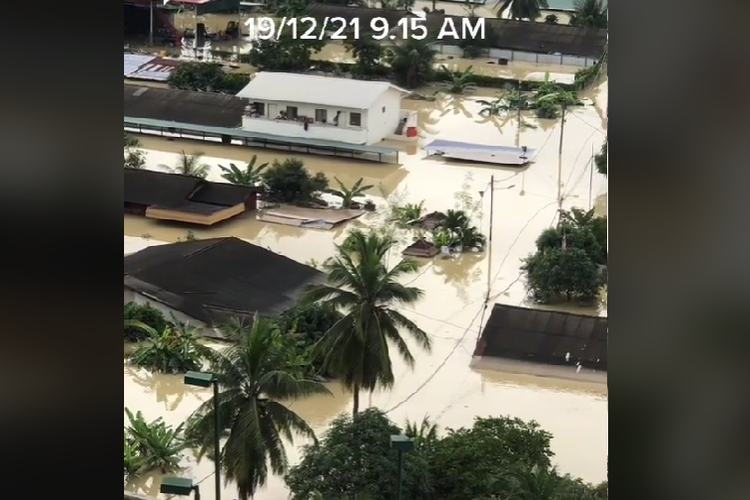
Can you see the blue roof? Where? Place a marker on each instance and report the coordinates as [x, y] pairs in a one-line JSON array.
[[442, 145]]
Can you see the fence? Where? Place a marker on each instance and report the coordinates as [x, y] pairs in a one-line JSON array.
[[517, 55]]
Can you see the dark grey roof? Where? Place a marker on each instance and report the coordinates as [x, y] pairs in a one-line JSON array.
[[219, 277], [186, 106], [363, 14], [544, 337], [149, 188]]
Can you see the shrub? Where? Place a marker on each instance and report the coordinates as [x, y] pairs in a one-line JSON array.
[[146, 314]]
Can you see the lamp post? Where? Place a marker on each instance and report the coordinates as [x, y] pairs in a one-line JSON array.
[[402, 444], [172, 485], [202, 379]]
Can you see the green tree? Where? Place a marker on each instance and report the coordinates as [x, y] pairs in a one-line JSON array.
[[152, 445], [590, 14], [355, 457], [175, 349], [522, 9], [411, 62], [309, 322], [207, 77], [601, 158], [347, 194], [137, 315], [255, 379], [248, 176], [133, 157], [367, 53], [290, 182], [458, 82], [190, 164], [356, 349], [284, 54], [558, 272]]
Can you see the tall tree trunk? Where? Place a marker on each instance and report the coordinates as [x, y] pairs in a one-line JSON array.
[[355, 400]]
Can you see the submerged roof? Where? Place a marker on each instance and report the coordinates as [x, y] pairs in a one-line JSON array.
[[544, 337], [315, 89], [213, 279], [199, 108]]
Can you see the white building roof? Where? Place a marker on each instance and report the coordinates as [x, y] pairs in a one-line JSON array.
[[313, 89]]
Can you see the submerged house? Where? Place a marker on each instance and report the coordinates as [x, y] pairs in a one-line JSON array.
[[208, 281], [327, 108], [549, 337], [159, 195]]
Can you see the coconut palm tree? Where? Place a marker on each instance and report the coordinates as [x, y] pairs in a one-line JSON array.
[[522, 9], [191, 164], [356, 348], [249, 176], [255, 379], [411, 62], [589, 13], [458, 82], [133, 157], [423, 434], [346, 194], [535, 483]]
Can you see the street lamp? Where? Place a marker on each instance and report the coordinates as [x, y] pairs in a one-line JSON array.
[[402, 444], [203, 379], [172, 485]]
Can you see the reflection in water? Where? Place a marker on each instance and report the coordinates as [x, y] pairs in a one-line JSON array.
[[442, 383], [168, 389]]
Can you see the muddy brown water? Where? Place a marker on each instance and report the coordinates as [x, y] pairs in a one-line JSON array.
[[442, 385]]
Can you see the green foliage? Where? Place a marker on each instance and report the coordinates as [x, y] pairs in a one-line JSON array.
[[456, 230], [284, 54], [309, 322], [190, 164], [550, 96], [347, 195], [411, 62], [368, 54], [590, 14], [207, 77], [354, 457], [151, 445], [290, 182], [248, 176], [255, 374], [458, 82], [556, 273], [409, 213], [551, 19], [523, 9], [133, 157], [175, 349], [601, 159], [137, 315]]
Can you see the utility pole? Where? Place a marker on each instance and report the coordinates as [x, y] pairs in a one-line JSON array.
[[151, 23], [489, 239], [562, 128], [591, 174]]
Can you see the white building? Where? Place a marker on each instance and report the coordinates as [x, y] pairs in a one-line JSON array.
[[326, 108]]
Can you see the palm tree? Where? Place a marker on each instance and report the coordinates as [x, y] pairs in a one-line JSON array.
[[423, 434], [535, 483], [346, 194], [522, 9], [458, 82], [589, 13], [133, 157], [356, 348], [254, 376], [249, 176], [411, 62], [192, 165]]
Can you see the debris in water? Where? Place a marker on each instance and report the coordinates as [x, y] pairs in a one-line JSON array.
[[567, 356]]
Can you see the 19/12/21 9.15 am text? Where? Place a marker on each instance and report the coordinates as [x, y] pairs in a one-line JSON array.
[[338, 28]]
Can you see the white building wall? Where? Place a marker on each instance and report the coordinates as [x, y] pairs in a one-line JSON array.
[[518, 55], [289, 128], [383, 116], [131, 296]]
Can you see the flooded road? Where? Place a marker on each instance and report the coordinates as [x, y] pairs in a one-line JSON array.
[[442, 384]]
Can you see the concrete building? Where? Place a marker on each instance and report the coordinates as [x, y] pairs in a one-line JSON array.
[[327, 108]]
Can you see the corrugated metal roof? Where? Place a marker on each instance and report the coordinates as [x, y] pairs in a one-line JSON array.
[[314, 89], [148, 67]]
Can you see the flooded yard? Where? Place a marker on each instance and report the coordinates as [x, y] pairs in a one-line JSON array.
[[442, 385]]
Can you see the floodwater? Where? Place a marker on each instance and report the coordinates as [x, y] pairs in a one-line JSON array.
[[443, 385]]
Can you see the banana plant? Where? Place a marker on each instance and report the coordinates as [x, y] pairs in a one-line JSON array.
[[159, 445], [176, 349], [346, 194], [249, 176]]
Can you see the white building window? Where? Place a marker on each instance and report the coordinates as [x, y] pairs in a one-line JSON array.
[[355, 119], [291, 112], [259, 108], [321, 115]]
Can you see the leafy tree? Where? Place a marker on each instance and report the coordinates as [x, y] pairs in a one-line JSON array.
[[346, 194], [411, 62], [249, 176], [424, 435], [409, 213], [522, 9], [558, 272], [462, 463], [133, 157], [355, 457], [151, 445], [290, 182], [601, 159], [284, 54], [457, 229], [589, 13], [207, 77], [138, 315], [190, 164], [176, 349], [356, 349], [254, 376], [367, 53], [458, 82], [309, 322]]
